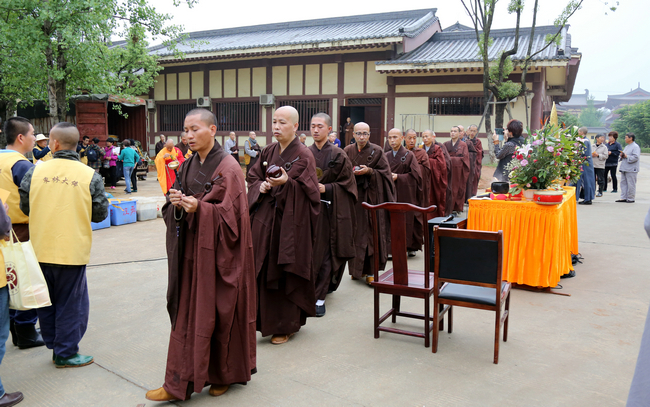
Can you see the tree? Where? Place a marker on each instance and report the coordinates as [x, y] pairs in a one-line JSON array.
[[495, 73], [635, 119], [72, 42], [590, 116], [570, 120]]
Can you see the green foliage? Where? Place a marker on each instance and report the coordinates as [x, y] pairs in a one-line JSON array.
[[635, 119], [506, 89], [64, 48], [590, 116], [570, 120]]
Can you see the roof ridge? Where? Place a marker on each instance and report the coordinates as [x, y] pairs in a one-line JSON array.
[[392, 15]]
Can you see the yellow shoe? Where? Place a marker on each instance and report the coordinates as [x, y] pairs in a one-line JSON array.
[[159, 395], [217, 390], [370, 279], [280, 339]]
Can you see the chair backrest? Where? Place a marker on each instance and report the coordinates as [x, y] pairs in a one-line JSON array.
[[468, 257], [396, 212]]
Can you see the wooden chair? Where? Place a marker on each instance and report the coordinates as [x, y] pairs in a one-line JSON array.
[[400, 281], [468, 265]]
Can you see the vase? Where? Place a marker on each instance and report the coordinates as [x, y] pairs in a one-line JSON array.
[[529, 194]]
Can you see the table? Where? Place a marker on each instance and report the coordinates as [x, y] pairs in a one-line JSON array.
[[538, 239]]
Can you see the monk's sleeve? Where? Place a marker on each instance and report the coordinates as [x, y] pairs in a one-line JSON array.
[[256, 175]]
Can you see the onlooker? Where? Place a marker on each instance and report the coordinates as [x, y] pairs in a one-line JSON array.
[[586, 185], [81, 149], [303, 138], [612, 160], [110, 163], [600, 155], [7, 399], [332, 138], [182, 145], [95, 155], [161, 143], [41, 150], [629, 169], [61, 202], [512, 133], [348, 130], [251, 151], [129, 158], [134, 174], [231, 146]]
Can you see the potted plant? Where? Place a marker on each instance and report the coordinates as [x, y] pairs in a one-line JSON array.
[[552, 156]]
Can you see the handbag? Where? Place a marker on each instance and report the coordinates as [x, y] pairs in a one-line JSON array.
[[27, 286], [107, 164]]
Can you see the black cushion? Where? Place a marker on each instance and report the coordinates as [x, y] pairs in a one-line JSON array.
[[468, 293]]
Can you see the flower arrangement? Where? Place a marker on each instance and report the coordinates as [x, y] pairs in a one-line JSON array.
[[553, 155]]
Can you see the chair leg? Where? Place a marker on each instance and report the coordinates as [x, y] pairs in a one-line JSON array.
[[427, 320], [396, 307], [450, 319], [505, 323], [441, 321], [376, 313], [497, 331], [434, 332]]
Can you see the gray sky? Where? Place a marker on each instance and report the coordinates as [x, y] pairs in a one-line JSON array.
[[614, 59]]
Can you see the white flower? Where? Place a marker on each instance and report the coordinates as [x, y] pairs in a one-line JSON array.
[[525, 150]]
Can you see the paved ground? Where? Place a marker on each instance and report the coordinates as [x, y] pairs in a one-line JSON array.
[[562, 351]]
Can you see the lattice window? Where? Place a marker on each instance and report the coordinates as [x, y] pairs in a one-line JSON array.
[[364, 101], [238, 116], [456, 106], [172, 117], [306, 109]]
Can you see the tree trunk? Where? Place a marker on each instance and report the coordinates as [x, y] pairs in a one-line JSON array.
[[3, 115], [499, 111]]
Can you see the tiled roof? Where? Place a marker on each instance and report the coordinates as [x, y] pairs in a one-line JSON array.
[[461, 46], [364, 27], [458, 27]]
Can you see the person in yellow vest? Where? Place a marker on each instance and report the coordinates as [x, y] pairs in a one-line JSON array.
[[6, 399], [19, 133], [61, 197], [41, 149]]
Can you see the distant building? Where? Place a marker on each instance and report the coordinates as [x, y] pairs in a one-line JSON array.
[[397, 69], [579, 102]]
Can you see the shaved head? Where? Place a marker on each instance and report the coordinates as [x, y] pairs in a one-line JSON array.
[[291, 112], [66, 134], [207, 116], [169, 144]]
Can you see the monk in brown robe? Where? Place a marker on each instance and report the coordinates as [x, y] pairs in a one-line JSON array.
[[439, 162], [472, 136], [472, 163], [337, 221], [183, 144], [459, 155], [407, 178], [374, 186], [211, 292], [284, 211], [410, 141]]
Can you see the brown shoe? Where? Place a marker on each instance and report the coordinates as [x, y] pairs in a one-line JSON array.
[[370, 279], [280, 339], [11, 399], [159, 395], [217, 390]]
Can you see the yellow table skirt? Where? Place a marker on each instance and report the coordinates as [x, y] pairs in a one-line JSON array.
[[538, 239]]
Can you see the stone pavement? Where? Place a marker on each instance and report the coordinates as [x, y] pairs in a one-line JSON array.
[[562, 351]]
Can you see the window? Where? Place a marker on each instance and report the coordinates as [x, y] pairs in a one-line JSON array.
[[306, 109], [172, 117], [455, 106], [364, 101], [238, 116]]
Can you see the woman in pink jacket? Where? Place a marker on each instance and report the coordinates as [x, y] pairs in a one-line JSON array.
[[110, 163]]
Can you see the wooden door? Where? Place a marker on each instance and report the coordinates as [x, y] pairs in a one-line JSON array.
[[373, 117], [92, 119]]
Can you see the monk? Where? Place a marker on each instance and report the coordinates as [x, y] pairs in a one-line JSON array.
[[459, 155], [183, 145], [374, 186], [407, 178], [166, 175], [284, 212], [211, 292], [334, 244], [439, 162], [472, 132], [472, 163], [410, 141]]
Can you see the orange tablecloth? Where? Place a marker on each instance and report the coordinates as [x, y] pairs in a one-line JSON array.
[[538, 239]]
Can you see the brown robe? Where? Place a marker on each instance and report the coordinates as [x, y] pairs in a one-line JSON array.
[[478, 146], [348, 129], [459, 172], [211, 291], [374, 188], [337, 222], [183, 147], [408, 189], [284, 223], [449, 198], [427, 178], [439, 181], [472, 169]]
